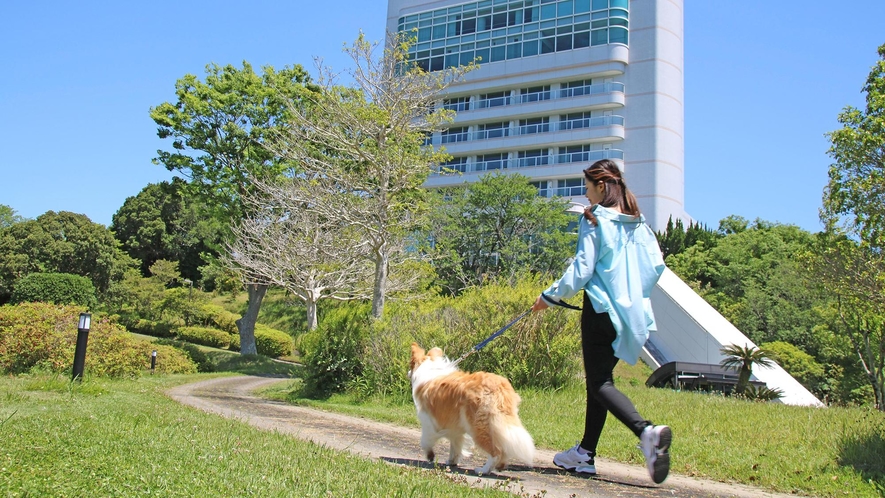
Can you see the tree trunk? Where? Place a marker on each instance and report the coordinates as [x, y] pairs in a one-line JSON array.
[[380, 291], [743, 380], [246, 324], [311, 314]]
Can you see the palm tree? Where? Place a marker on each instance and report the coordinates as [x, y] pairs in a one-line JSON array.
[[743, 358]]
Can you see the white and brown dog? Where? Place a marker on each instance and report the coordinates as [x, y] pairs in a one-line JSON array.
[[453, 404]]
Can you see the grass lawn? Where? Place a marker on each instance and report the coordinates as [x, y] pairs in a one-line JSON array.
[[806, 451], [125, 438]]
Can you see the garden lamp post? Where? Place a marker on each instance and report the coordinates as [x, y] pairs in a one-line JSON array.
[[80, 351]]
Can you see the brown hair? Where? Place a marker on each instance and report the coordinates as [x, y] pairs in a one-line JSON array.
[[616, 192]]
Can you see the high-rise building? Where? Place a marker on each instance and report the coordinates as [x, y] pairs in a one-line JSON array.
[[561, 83]]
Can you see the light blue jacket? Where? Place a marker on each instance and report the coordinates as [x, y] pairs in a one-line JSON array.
[[618, 263]]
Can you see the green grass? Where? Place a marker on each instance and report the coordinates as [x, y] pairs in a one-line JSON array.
[[125, 438], [788, 449]]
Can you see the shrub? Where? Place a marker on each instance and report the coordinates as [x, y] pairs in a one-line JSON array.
[[43, 336], [234, 342], [333, 352], [212, 315], [204, 335], [151, 328], [272, 342], [55, 288], [201, 359]]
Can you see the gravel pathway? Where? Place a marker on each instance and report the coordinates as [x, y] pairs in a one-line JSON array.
[[232, 397]]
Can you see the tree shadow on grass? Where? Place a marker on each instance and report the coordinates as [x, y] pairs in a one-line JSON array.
[[865, 454]]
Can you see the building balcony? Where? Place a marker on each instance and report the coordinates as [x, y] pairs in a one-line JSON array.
[[573, 132], [586, 98], [530, 166]]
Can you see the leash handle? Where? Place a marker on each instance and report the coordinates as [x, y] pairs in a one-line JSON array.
[[493, 336], [560, 303]]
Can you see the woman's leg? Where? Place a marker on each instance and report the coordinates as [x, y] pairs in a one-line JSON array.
[[597, 335]]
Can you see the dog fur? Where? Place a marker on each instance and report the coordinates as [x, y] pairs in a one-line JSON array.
[[458, 405]]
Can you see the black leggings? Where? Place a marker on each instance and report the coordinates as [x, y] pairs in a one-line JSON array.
[[597, 335]]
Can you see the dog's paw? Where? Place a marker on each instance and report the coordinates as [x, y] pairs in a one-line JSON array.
[[431, 456]]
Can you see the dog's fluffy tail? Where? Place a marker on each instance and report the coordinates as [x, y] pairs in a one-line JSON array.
[[516, 442]]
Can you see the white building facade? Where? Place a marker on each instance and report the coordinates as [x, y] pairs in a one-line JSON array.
[[561, 84]]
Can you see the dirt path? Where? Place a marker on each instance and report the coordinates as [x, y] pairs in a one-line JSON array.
[[232, 397]]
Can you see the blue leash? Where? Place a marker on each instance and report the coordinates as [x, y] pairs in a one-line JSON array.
[[492, 337]]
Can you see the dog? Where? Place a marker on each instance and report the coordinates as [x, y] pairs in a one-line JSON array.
[[458, 405]]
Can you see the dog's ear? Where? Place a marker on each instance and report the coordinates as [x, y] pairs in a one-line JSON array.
[[417, 356], [435, 353]]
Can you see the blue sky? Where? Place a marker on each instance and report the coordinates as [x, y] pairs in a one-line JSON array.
[[763, 83]]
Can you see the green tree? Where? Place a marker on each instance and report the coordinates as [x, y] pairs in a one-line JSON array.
[[219, 128], [757, 277], [160, 223], [851, 258], [365, 155], [742, 359], [497, 227], [62, 242], [676, 238], [8, 216]]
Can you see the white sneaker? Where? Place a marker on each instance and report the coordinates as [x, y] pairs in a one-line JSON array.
[[573, 460], [655, 444]]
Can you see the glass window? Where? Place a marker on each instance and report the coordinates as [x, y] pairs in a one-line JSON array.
[[563, 43], [498, 54], [439, 32], [548, 11], [599, 37], [514, 51], [548, 45], [466, 57], [565, 8], [619, 3], [531, 15], [582, 6], [582, 39], [514, 17], [499, 21], [436, 63], [468, 26], [618, 35], [530, 48], [483, 55], [424, 34], [600, 4]]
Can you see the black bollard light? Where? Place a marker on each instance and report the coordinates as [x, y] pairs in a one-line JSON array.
[[153, 360], [80, 351]]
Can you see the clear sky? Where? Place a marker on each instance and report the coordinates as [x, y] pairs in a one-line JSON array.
[[763, 83]]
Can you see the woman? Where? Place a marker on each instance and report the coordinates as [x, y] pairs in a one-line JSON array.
[[618, 262]]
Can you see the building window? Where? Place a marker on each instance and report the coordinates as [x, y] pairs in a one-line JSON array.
[[534, 93], [493, 99], [488, 162], [570, 187], [562, 25], [458, 164], [543, 188], [456, 134], [493, 130], [535, 157], [534, 125], [457, 104]]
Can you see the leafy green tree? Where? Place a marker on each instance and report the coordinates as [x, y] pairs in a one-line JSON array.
[[8, 216], [801, 365], [62, 242], [497, 227], [757, 277], [742, 359], [851, 257], [676, 238], [219, 128], [56, 288], [160, 223], [365, 154]]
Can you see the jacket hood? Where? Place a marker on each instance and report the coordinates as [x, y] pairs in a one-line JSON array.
[[611, 214]]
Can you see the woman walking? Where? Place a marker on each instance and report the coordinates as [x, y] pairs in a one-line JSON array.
[[617, 263]]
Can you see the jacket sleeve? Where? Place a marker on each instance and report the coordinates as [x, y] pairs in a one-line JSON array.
[[581, 269]]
